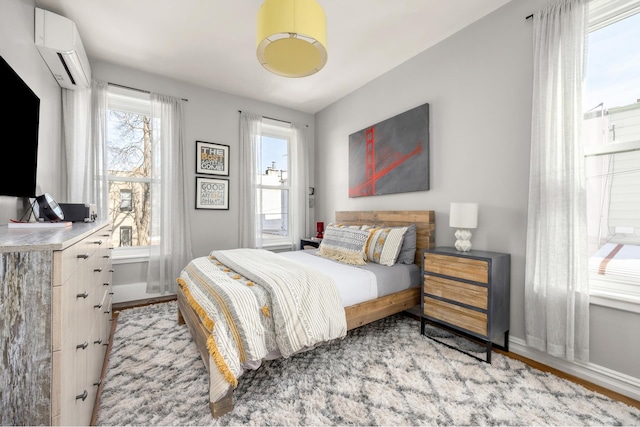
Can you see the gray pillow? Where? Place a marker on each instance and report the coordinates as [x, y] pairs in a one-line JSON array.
[[407, 253]]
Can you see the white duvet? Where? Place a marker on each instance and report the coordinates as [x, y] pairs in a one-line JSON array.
[[355, 285]]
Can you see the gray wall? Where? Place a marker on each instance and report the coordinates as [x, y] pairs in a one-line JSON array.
[[478, 84], [18, 49], [210, 116]]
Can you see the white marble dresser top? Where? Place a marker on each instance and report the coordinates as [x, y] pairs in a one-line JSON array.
[[38, 239]]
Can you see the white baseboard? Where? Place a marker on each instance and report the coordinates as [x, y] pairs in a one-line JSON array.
[[596, 374], [133, 292]]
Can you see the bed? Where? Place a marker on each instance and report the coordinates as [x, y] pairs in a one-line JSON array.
[[356, 309], [615, 263]]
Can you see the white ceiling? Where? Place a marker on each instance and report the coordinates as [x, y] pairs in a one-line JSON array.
[[211, 43]]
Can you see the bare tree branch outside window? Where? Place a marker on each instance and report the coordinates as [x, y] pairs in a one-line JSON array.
[[129, 166]]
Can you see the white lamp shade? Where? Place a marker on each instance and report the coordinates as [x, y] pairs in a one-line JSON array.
[[463, 215]]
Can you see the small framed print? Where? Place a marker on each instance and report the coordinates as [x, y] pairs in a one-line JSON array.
[[212, 159], [212, 193]]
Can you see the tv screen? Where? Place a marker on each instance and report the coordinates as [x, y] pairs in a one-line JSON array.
[[21, 116]]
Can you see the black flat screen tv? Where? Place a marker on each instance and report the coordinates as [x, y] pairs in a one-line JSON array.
[[20, 119]]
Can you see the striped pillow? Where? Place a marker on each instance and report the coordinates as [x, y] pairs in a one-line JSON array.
[[384, 245], [344, 244]]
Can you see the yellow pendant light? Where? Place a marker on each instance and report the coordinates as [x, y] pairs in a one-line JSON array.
[[292, 37]]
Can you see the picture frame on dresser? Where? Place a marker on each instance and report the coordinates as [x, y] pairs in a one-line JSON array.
[[468, 294]]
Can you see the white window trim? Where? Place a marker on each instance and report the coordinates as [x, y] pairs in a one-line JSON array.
[[281, 130], [601, 14], [131, 254], [137, 102], [606, 298]]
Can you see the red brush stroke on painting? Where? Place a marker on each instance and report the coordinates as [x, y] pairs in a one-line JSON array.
[[367, 187]]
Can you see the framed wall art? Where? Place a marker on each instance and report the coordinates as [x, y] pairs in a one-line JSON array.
[[391, 156], [212, 159], [212, 193]]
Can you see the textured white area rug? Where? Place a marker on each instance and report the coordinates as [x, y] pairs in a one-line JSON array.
[[384, 373]]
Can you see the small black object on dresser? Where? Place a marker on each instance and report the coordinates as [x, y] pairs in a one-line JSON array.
[[467, 293]]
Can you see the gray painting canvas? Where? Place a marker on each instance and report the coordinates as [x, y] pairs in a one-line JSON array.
[[391, 156]]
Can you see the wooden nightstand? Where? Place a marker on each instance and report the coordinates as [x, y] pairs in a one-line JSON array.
[[310, 242], [467, 293]]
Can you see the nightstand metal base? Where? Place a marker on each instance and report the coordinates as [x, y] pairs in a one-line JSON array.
[[488, 344]]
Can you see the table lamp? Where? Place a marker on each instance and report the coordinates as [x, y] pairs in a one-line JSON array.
[[464, 217]]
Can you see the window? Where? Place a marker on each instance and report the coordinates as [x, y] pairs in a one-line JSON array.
[[273, 190], [125, 200], [126, 236], [129, 167], [612, 149]]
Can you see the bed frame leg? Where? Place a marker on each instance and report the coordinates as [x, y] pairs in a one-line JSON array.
[[180, 317], [222, 406]]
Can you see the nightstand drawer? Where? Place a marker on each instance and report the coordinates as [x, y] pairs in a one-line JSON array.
[[465, 293], [463, 317], [457, 267]]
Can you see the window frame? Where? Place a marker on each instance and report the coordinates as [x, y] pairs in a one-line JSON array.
[[277, 130], [138, 102], [601, 15]]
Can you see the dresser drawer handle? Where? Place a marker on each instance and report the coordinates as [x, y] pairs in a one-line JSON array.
[[111, 270], [107, 343], [82, 346], [98, 306], [98, 242], [97, 384], [82, 295], [107, 312], [83, 256], [106, 256], [82, 396], [110, 293], [106, 283], [98, 341], [97, 270]]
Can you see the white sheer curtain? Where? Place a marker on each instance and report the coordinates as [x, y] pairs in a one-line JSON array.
[[299, 181], [84, 115], [556, 281], [249, 152], [250, 232], [169, 228]]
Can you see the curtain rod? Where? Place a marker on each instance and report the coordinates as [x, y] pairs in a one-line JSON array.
[[136, 89], [271, 118]]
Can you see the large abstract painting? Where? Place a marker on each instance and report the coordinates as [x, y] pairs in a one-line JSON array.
[[391, 156]]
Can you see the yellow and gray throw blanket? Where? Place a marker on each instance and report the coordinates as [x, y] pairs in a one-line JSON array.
[[255, 302]]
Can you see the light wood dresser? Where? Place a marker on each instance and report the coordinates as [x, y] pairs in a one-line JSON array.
[[467, 293], [55, 322]]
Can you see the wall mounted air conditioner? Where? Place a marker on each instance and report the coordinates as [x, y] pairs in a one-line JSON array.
[[59, 43]]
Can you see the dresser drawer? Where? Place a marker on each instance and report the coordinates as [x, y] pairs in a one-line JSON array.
[[462, 317], [458, 267], [465, 293]]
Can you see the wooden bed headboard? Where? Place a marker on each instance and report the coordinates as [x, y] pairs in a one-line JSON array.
[[424, 221]]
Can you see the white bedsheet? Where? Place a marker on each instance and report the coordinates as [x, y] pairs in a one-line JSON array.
[[355, 285]]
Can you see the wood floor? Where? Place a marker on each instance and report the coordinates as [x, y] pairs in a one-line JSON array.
[[588, 385]]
